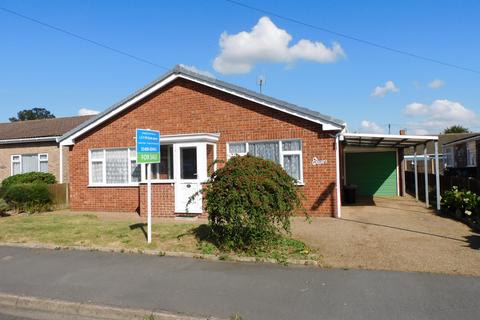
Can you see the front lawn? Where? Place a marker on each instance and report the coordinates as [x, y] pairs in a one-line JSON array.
[[89, 230]]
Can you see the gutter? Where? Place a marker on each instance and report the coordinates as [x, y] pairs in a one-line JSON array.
[[30, 140]]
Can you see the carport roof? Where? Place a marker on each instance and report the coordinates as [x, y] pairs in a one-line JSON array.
[[385, 140]]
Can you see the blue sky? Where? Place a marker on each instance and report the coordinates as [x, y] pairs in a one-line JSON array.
[[43, 68]]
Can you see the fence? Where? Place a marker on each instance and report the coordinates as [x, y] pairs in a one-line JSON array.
[[59, 194], [446, 183]]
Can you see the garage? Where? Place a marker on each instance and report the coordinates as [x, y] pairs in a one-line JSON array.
[[374, 173]]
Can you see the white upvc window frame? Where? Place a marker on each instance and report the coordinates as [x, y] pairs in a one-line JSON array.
[[171, 167], [40, 160], [449, 157], [19, 161], [471, 153], [12, 161], [280, 148], [131, 157]]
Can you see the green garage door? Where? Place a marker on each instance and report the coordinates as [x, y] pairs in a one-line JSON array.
[[374, 173]]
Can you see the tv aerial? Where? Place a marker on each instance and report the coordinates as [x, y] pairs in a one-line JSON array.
[[261, 81]]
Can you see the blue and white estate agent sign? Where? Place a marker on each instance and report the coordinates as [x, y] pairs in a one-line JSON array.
[[148, 146], [148, 152]]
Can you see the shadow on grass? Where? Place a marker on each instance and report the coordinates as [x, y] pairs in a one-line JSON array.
[[201, 233], [140, 226]]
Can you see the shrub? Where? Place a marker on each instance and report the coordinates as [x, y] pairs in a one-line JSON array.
[[29, 197], [249, 203], [461, 203], [4, 207], [31, 177]]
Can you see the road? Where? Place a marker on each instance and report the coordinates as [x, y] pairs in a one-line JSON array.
[[221, 289]]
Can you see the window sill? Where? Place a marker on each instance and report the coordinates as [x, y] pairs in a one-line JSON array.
[[159, 182], [117, 185], [300, 183]]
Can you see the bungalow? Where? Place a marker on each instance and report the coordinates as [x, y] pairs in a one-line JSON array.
[[202, 119], [462, 155], [27, 146]]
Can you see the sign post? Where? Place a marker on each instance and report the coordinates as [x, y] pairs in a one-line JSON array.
[[148, 152]]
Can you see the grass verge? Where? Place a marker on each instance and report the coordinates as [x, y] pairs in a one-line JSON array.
[[89, 230]]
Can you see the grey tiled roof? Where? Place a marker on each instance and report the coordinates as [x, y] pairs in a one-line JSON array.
[[39, 128], [240, 90]]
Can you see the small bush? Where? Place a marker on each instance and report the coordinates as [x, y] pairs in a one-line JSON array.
[[249, 203], [461, 203], [29, 197], [4, 207], [31, 177]]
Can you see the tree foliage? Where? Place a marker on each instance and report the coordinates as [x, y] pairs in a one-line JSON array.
[[32, 114], [456, 129], [249, 203]]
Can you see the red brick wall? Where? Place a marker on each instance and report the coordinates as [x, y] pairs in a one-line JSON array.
[[163, 197], [187, 107]]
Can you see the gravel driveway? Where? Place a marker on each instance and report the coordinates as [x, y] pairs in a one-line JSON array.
[[393, 234]]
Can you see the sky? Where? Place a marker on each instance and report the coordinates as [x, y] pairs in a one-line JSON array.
[[364, 85]]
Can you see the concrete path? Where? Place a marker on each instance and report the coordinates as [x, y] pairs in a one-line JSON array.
[[221, 289]]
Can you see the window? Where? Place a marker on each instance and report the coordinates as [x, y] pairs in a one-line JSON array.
[[164, 169], [114, 167], [471, 154], [16, 165], [287, 153], [449, 157], [24, 163]]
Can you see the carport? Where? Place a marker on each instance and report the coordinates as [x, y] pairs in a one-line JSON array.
[[374, 162]]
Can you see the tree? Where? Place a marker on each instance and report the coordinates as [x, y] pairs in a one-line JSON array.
[[32, 114], [456, 129]]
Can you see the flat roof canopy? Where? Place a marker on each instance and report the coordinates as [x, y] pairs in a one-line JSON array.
[[384, 140]]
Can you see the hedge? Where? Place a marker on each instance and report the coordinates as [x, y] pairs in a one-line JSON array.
[[30, 177], [29, 197]]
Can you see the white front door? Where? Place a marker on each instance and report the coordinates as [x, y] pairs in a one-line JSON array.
[[189, 167]]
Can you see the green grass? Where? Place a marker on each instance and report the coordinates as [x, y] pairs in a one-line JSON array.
[[88, 230]]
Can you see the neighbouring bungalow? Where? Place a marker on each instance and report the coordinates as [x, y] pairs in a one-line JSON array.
[[27, 146], [443, 139], [462, 156], [201, 120]]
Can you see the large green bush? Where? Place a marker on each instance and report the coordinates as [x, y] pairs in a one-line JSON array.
[[4, 207], [31, 177], [249, 203], [461, 203], [29, 197]]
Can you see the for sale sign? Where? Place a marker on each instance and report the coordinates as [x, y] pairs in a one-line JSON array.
[[148, 146]]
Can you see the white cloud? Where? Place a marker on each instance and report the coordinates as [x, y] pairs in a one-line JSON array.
[[268, 43], [86, 112], [436, 84], [370, 127], [196, 70], [381, 91], [416, 109], [439, 115]]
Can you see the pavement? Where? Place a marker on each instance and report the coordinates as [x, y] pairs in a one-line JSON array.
[[221, 289], [7, 313], [393, 234]]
